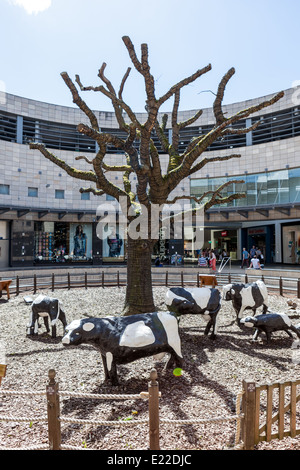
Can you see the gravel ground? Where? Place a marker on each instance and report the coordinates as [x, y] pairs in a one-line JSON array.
[[211, 379]]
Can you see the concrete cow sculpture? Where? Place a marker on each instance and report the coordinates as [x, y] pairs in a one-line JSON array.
[[45, 307], [269, 323], [246, 296], [197, 300], [121, 340]]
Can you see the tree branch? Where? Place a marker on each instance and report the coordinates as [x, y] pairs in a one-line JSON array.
[[79, 101], [79, 174]]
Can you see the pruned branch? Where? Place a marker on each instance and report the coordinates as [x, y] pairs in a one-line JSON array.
[[80, 102], [74, 172], [217, 106]]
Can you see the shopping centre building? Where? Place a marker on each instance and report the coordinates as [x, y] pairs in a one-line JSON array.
[[42, 211]]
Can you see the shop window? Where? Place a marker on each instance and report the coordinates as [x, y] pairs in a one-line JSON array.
[[32, 192], [60, 242], [4, 188], [59, 194]]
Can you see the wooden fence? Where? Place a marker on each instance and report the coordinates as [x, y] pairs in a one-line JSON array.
[[256, 416], [54, 281], [269, 411]]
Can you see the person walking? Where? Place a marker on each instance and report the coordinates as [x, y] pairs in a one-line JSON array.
[[212, 260], [245, 258]]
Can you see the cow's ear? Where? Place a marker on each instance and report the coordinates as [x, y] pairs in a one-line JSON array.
[[232, 291]]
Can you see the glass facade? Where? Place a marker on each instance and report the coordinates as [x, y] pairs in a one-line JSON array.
[[274, 187]]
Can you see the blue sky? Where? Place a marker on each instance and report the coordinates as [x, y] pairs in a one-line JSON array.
[[259, 38]]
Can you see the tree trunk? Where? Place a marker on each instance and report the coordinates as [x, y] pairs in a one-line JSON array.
[[139, 295]]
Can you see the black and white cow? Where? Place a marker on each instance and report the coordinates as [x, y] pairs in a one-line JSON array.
[[269, 323], [121, 340], [196, 300], [246, 296], [45, 307]]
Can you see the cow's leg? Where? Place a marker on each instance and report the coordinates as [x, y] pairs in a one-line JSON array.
[[110, 368], [296, 330], [113, 373], [32, 326], [46, 323], [239, 316], [256, 334], [106, 373], [62, 317], [265, 308], [174, 360], [53, 331]]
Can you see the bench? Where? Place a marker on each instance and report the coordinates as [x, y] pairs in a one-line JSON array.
[[208, 280], [4, 285]]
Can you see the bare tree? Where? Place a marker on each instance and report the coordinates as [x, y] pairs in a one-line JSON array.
[[142, 158]]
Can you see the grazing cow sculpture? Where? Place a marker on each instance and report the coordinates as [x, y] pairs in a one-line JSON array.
[[196, 300], [121, 340], [246, 296], [269, 323], [45, 307]]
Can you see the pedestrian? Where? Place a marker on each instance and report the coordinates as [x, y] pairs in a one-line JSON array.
[[245, 258], [212, 260], [252, 251]]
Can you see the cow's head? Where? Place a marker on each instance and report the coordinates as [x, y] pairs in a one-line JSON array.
[[77, 332], [228, 292], [249, 321]]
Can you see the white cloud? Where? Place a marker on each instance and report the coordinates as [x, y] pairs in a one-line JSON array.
[[32, 6]]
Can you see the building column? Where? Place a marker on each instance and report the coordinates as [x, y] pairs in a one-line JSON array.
[[278, 244]]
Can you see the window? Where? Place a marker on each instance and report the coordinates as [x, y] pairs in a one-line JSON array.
[[59, 194], [4, 188], [85, 196], [33, 192], [109, 197]]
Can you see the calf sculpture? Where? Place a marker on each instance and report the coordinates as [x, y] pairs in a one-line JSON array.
[[45, 307], [121, 340], [246, 296], [269, 323], [196, 300]]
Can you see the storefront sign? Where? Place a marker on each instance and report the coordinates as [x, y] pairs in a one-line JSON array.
[[256, 231], [224, 233]]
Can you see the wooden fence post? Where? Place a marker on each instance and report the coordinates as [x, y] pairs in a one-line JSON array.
[[53, 411], [153, 411], [69, 281], [103, 279], [53, 282], [2, 371], [34, 284], [298, 289], [182, 282], [85, 280], [198, 280], [167, 273], [248, 422], [280, 286], [17, 285], [118, 278]]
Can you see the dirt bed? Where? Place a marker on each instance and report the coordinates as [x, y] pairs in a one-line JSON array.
[[211, 380]]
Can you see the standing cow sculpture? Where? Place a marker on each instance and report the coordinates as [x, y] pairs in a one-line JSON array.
[[269, 323], [121, 340], [196, 300], [246, 296], [45, 307]]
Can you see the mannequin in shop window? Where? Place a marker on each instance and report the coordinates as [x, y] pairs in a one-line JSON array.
[[80, 240], [115, 244]]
